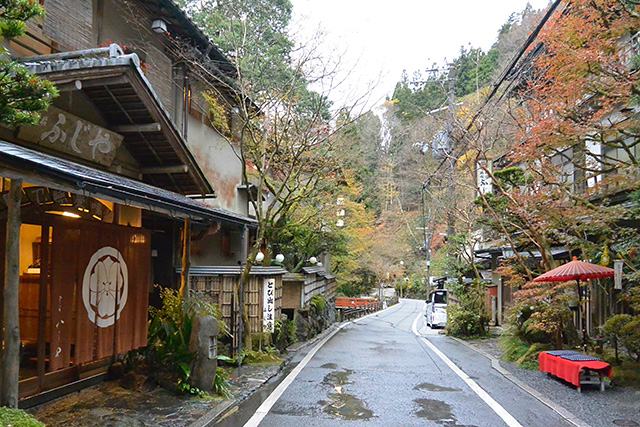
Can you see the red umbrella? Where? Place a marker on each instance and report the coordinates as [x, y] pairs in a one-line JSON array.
[[575, 270]]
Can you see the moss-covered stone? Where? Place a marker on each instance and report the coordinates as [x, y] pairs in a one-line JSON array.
[[529, 360]]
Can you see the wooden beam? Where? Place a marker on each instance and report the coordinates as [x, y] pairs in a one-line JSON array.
[[149, 127], [165, 169], [98, 81], [173, 137], [69, 86], [11, 355]]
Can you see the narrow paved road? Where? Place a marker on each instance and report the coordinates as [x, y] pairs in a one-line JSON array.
[[378, 371]]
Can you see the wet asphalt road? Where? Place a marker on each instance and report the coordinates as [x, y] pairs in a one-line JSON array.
[[378, 372]]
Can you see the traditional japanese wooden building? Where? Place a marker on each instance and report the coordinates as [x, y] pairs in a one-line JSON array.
[[124, 181], [102, 205]]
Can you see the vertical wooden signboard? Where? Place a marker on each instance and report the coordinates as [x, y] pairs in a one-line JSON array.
[[268, 305]]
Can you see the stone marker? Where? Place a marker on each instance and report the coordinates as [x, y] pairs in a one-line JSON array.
[[203, 342]]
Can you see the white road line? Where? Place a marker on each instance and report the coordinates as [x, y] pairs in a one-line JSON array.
[[266, 406], [497, 408], [264, 409]]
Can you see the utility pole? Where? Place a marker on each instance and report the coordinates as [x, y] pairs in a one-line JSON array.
[[428, 233], [451, 190], [449, 153]]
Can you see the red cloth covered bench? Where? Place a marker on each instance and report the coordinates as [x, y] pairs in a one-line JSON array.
[[575, 368]]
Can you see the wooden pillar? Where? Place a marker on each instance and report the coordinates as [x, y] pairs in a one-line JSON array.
[[42, 302], [186, 256], [11, 355]]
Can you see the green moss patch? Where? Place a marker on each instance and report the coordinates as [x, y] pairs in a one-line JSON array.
[[17, 418]]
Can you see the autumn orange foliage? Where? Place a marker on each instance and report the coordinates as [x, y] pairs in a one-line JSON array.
[[584, 87], [579, 136]]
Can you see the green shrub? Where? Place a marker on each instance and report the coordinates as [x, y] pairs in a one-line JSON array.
[[318, 302], [464, 323], [17, 418], [259, 358], [612, 330], [627, 374], [523, 353], [284, 333], [469, 317], [630, 338], [170, 328], [170, 332], [183, 383], [513, 347], [529, 360], [221, 383]]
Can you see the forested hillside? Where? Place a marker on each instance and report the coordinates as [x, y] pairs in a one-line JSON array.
[[414, 129], [474, 69]]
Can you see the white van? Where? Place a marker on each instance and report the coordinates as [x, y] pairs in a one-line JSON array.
[[436, 308]]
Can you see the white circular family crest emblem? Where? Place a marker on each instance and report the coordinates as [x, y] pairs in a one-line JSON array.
[[105, 286]]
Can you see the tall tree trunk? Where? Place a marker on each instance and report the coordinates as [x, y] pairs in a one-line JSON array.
[[186, 256], [558, 334], [245, 338], [244, 332], [11, 355]]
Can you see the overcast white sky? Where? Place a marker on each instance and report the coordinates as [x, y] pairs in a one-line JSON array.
[[385, 37]]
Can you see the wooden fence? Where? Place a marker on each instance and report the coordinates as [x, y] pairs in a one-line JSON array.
[[217, 286], [300, 288]]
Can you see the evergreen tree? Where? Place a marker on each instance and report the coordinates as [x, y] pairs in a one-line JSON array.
[[22, 94], [474, 69], [251, 33]]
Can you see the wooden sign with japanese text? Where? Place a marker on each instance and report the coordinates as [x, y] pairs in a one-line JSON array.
[[268, 306], [483, 177], [618, 264], [70, 134]]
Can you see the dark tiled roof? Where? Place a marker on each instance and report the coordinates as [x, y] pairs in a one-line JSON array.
[[107, 185], [180, 23], [311, 270], [123, 95], [232, 270]]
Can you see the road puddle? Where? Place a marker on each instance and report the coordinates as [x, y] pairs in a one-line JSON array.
[[329, 366], [343, 404], [346, 406], [338, 378], [437, 411], [434, 387], [387, 347]]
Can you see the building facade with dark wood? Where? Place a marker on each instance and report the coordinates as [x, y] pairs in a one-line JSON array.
[[110, 183]]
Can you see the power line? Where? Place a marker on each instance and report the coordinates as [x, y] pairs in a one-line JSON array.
[[503, 76]]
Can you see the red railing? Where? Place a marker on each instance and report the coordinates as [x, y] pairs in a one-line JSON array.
[[355, 307]]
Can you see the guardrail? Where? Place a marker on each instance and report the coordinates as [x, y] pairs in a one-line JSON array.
[[350, 308]]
